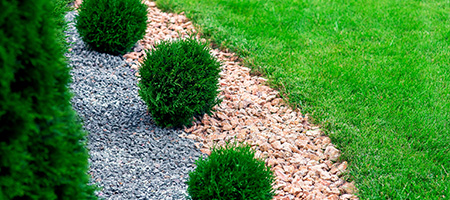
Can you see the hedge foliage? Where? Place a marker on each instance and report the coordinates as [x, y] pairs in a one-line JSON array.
[[42, 144]]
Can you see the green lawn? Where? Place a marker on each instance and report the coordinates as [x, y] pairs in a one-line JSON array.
[[374, 73]]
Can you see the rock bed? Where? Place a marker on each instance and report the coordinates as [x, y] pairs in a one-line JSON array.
[[130, 157], [303, 159]]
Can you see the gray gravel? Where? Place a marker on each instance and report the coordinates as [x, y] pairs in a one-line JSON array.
[[131, 158]]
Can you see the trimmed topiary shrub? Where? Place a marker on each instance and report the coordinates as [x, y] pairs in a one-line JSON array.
[[112, 26], [42, 144], [231, 172], [179, 80]]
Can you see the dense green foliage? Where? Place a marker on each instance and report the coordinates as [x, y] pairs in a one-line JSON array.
[[374, 73], [112, 26], [179, 81], [59, 11], [42, 148], [231, 173]]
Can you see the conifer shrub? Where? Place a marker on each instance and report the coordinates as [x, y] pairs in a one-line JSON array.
[[42, 144], [60, 9], [231, 172], [112, 26], [179, 81]]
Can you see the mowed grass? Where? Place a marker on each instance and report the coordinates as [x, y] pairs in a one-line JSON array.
[[374, 73]]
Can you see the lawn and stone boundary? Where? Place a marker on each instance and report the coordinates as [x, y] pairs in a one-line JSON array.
[[303, 159], [374, 74]]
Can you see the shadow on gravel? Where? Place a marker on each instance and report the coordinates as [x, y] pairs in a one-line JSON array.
[[131, 158]]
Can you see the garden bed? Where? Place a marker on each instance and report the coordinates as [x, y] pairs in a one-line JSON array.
[[131, 158]]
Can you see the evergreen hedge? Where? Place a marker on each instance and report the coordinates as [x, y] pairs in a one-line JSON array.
[[42, 144]]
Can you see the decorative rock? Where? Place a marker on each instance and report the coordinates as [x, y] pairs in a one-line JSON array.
[[206, 151], [333, 197], [277, 145], [192, 136], [280, 174], [271, 162], [135, 67], [324, 175], [151, 4], [332, 152], [301, 143], [227, 127], [254, 113], [265, 146], [343, 166], [314, 133], [346, 197], [348, 188]]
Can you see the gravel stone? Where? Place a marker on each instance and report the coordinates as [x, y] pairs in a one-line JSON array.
[[130, 157]]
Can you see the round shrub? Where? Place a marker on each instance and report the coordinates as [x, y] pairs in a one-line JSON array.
[[179, 81], [112, 26], [231, 172]]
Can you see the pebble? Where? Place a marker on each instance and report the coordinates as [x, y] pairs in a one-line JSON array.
[[252, 112]]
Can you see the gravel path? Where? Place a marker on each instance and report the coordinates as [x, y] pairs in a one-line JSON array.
[[131, 158]]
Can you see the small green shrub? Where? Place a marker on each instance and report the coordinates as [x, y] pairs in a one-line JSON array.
[[112, 26], [231, 172], [179, 80], [43, 152]]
